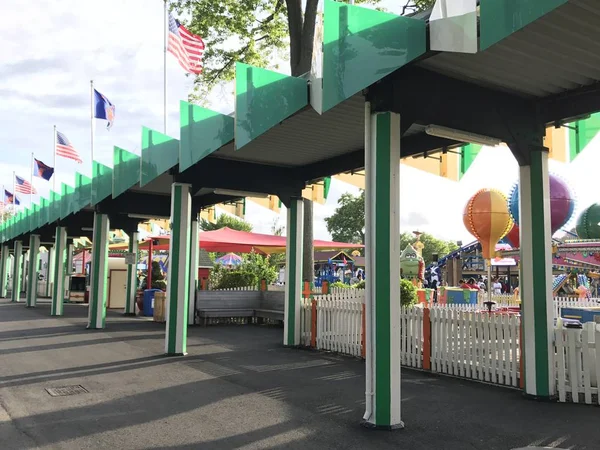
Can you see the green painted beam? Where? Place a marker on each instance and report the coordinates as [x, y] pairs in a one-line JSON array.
[[126, 170], [202, 132], [101, 182], [159, 154], [83, 190], [263, 99], [501, 18], [361, 46]]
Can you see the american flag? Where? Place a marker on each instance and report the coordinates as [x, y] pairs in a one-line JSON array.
[[188, 48], [23, 186], [65, 149]]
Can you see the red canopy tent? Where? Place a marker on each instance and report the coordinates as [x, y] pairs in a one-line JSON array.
[[227, 240]]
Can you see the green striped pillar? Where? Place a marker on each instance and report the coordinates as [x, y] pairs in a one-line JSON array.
[[58, 274], [50, 272], [293, 272], [178, 278], [132, 279], [3, 270], [382, 295], [194, 255], [17, 267], [34, 260], [99, 276], [535, 281]]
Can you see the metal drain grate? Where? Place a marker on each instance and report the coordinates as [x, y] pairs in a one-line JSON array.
[[66, 390]]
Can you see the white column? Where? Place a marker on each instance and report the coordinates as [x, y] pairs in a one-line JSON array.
[[194, 254], [535, 280], [50, 272], [34, 259], [58, 289], [293, 272], [178, 284], [382, 296], [4, 263], [16, 279], [132, 279], [99, 275]]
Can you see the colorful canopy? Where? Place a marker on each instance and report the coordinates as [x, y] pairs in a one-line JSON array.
[[227, 240], [230, 259]]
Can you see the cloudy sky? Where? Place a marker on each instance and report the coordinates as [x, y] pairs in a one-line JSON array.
[[47, 63]]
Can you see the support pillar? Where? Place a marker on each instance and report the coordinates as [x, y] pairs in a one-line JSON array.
[[69, 263], [535, 281], [3, 270], [16, 279], [382, 295], [194, 255], [132, 280], [50, 271], [99, 275], [24, 259], [58, 290], [178, 279], [293, 272], [34, 260]]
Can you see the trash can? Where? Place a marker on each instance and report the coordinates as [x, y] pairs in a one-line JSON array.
[[149, 301], [159, 306]]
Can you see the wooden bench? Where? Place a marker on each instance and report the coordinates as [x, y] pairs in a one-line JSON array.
[[223, 313], [271, 314], [233, 305]]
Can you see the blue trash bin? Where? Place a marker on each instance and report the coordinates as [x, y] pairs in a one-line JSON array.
[[149, 302]]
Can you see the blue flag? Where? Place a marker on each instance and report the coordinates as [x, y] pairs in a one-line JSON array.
[[9, 198], [42, 170], [104, 109]]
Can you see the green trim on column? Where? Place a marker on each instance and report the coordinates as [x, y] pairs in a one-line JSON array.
[[178, 285], [16, 281], [99, 280], [34, 258], [131, 276], [194, 262], [381, 277], [60, 244], [293, 274]]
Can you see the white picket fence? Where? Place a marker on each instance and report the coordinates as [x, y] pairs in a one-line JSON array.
[[578, 364], [473, 345], [411, 337], [339, 325]]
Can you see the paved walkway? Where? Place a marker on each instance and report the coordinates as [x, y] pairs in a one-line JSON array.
[[238, 388]]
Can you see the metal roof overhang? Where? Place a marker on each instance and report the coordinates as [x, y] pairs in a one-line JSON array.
[[552, 63]]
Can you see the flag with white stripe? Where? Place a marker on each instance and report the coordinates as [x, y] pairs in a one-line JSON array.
[[65, 149], [188, 48]]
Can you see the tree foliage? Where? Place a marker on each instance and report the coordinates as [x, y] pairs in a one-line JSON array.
[[347, 223], [431, 243], [223, 221]]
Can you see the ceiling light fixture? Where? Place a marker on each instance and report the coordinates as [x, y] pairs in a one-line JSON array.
[[462, 136]]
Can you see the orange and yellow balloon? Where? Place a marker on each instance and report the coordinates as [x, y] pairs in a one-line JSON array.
[[486, 216]]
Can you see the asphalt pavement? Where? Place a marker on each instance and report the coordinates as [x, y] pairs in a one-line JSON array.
[[238, 388]]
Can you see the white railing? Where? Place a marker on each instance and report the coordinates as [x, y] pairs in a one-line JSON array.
[[245, 288], [569, 302], [339, 325], [305, 321], [411, 337], [473, 345], [578, 364]]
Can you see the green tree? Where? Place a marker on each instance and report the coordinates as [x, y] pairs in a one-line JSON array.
[[223, 221], [431, 243], [347, 223]]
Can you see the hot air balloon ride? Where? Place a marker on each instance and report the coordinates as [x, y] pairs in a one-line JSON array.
[[562, 203], [486, 217], [588, 223]]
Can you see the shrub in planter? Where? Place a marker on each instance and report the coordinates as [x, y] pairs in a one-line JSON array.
[[237, 279], [408, 293]]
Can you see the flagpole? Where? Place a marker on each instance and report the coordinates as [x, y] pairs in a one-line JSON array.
[[31, 189], [54, 149], [92, 119], [165, 70]]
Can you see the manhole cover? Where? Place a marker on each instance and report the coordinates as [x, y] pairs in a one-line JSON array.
[[66, 390]]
